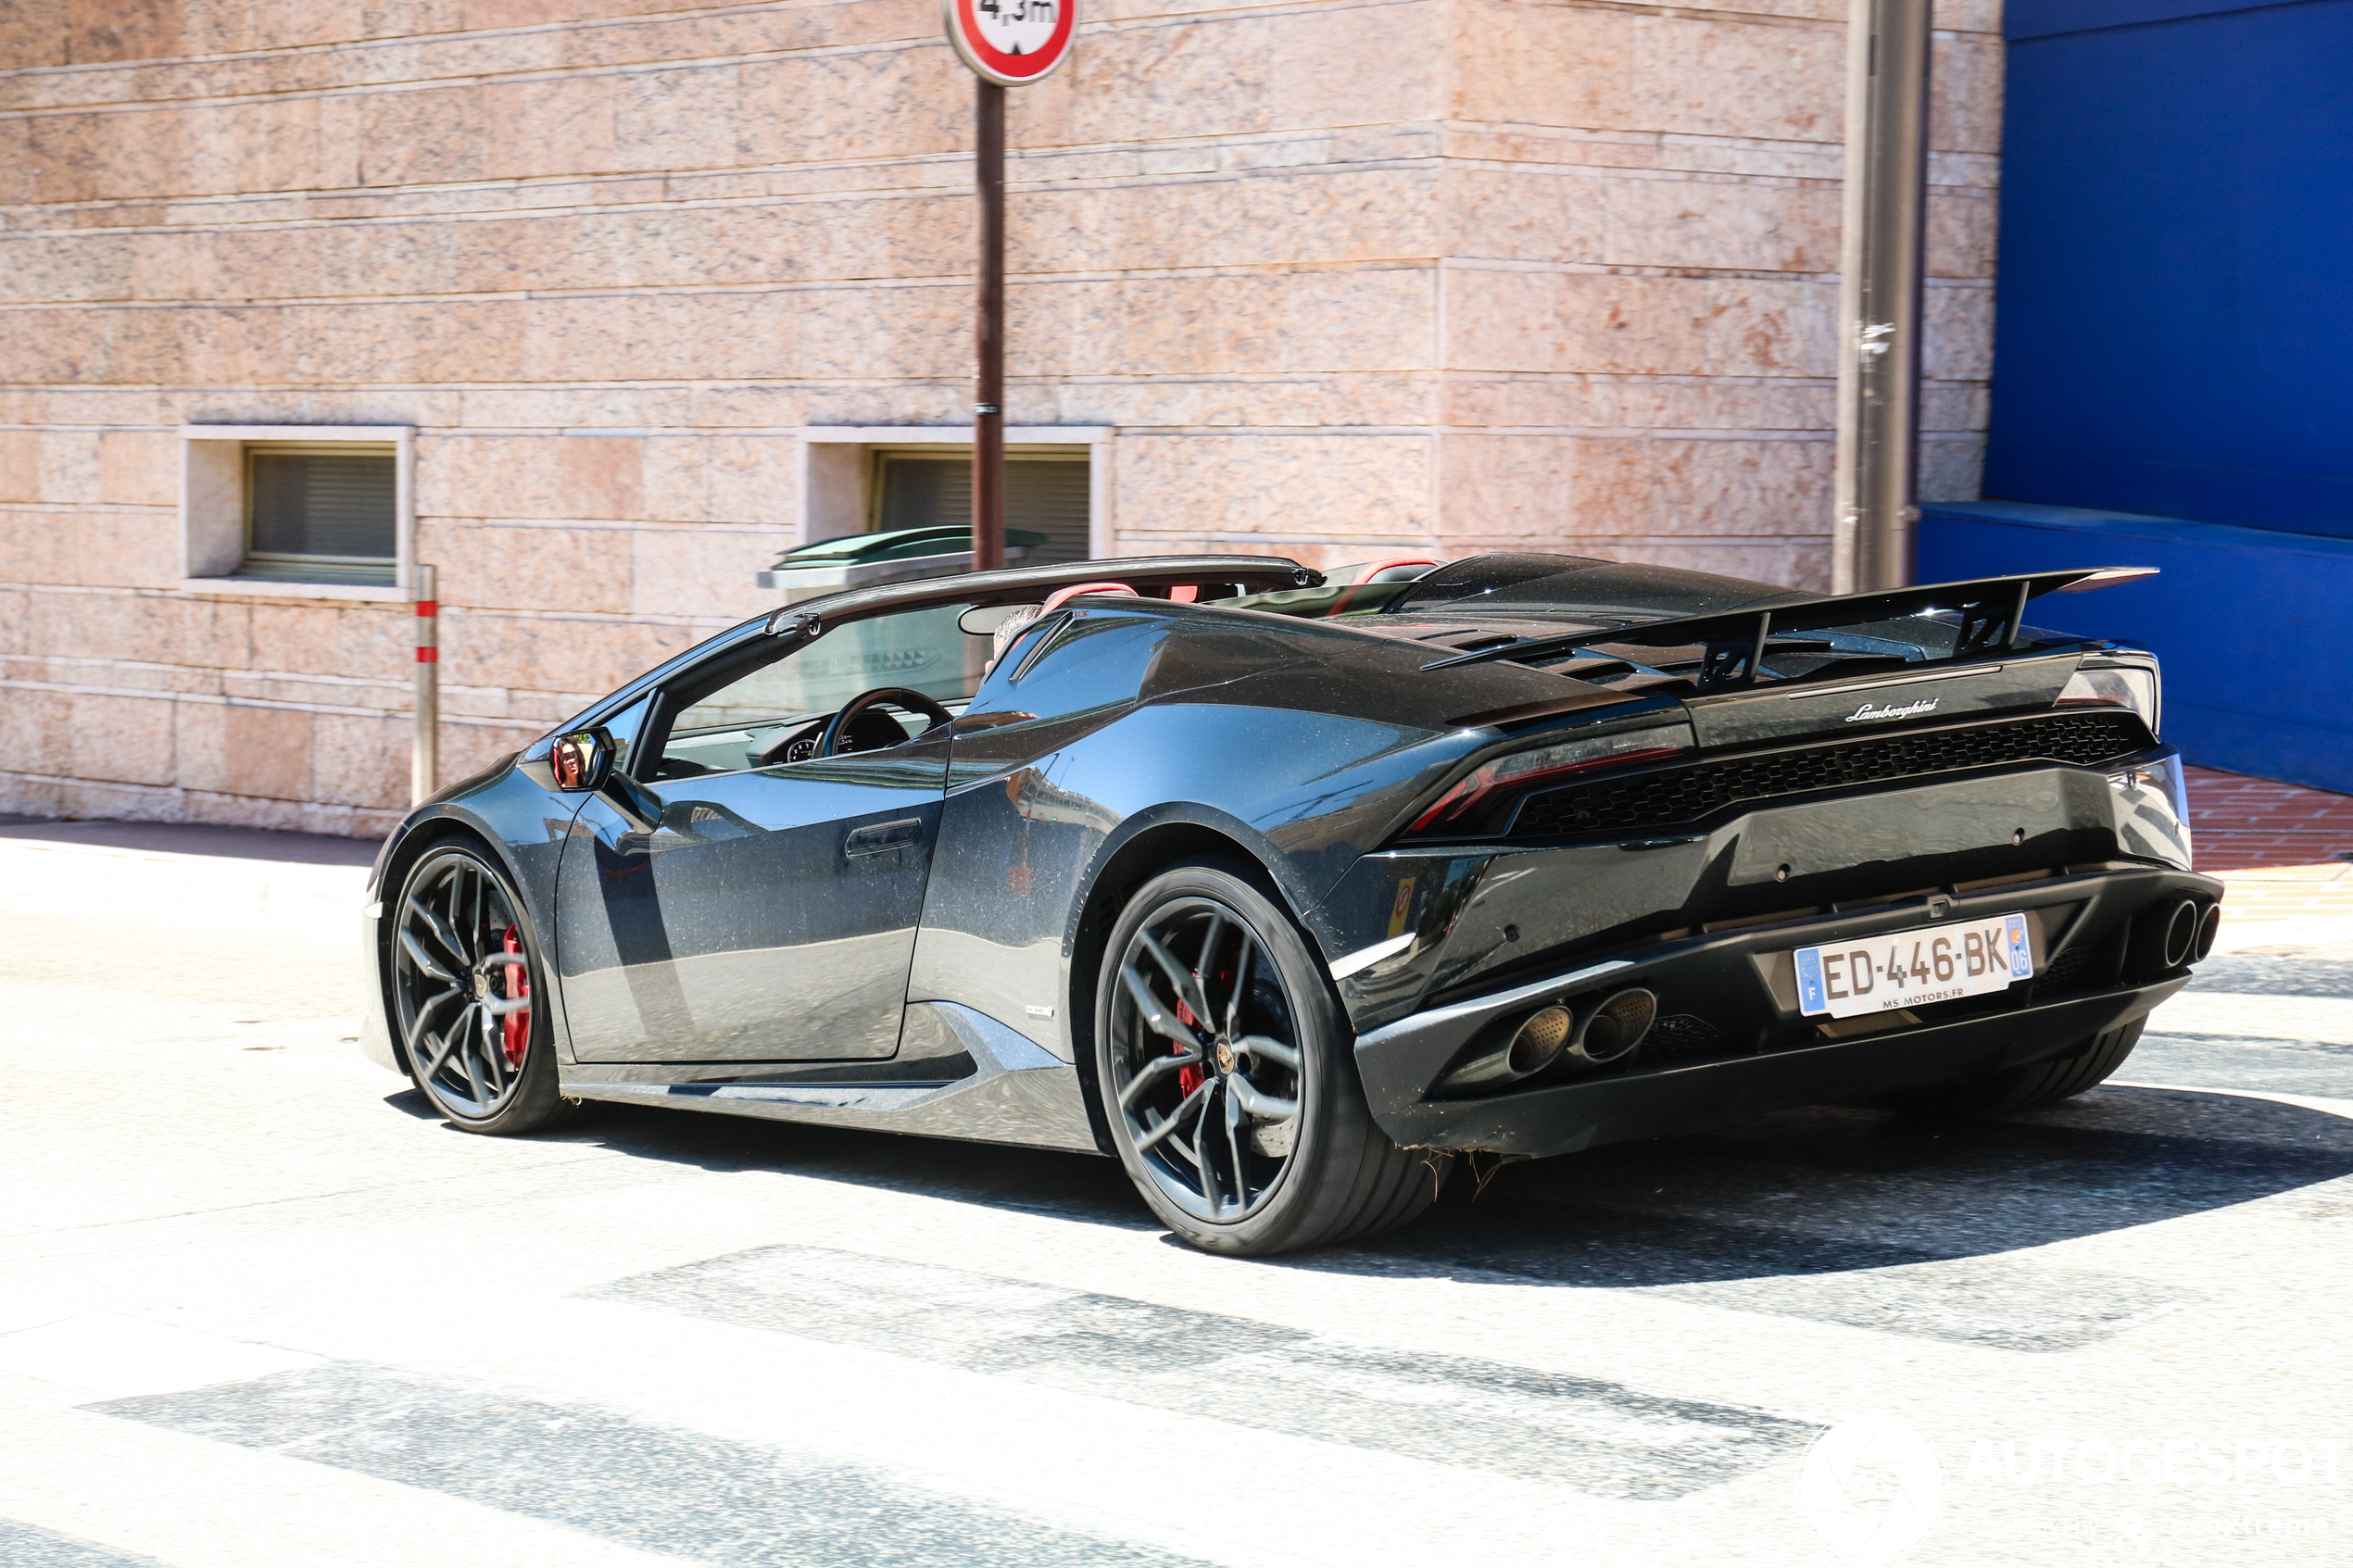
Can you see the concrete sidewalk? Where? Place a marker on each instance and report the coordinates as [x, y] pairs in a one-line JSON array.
[[181, 871]]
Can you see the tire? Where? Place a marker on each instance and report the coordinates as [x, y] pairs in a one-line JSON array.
[[1282, 1152], [2022, 1088], [463, 953]]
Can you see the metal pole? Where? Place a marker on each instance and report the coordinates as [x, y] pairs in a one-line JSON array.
[[425, 765], [988, 388], [1878, 371]]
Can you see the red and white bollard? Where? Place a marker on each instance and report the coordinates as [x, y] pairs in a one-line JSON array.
[[425, 763]]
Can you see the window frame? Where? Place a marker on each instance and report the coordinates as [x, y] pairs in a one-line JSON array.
[[216, 508]]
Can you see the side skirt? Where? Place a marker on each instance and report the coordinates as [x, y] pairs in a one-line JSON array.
[[1015, 1094]]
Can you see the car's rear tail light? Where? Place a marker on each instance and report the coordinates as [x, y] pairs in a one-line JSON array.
[[2133, 685], [1516, 770]]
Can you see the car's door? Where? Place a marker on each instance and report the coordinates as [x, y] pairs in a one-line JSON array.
[[728, 897]]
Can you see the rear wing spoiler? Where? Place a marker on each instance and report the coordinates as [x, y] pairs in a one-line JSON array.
[[1992, 610]]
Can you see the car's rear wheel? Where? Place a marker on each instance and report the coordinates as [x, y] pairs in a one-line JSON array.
[[1229, 1080], [464, 972], [2023, 1088]]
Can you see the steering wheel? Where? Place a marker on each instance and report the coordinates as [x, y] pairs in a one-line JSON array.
[[829, 743]]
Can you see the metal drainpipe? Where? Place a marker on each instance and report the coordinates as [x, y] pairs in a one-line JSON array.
[[1879, 262], [424, 763]]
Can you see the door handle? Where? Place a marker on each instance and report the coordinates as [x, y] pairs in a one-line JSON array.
[[882, 836]]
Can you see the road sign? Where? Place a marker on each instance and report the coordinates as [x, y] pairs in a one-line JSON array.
[[1012, 43]]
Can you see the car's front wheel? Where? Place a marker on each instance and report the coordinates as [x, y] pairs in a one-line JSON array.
[[1229, 1080], [465, 976]]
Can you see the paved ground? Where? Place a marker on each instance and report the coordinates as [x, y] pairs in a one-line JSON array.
[[259, 1308], [2242, 822], [2286, 853]]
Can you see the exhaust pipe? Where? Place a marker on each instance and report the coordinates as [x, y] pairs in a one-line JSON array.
[[1523, 1053], [2181, 934], [2209, 926], [1613, 1030], [2164, 938], [1585, 1037]]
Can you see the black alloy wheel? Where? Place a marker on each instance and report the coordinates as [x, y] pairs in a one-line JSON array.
[[465, 970], [1210, 1059], [1229, 1080]]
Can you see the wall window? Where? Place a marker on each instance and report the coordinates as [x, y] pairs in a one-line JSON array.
[[860, 479], [322, 513], [1044, 494], [314, 512]]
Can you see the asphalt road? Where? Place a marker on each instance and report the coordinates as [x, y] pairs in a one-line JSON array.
[[258, 1307]]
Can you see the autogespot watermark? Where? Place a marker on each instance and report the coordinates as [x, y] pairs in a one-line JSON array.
[[1872, 1488], [1875, 1487]]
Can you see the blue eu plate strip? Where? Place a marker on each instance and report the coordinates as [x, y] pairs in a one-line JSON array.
[[1810, 995]]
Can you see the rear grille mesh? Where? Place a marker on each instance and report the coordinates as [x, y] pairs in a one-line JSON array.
[[1684, 1037], [2072, 970], [1673, 797]]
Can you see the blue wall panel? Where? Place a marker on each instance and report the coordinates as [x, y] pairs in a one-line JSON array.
[[2255, 628], [2039, 19], [2175, 310]]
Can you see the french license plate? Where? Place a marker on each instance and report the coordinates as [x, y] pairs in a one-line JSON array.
[[1908, 968]]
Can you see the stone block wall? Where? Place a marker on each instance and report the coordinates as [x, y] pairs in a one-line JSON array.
[[1342, 277]]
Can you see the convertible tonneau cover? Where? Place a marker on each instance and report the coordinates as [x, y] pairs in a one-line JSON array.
[[1992, 610]]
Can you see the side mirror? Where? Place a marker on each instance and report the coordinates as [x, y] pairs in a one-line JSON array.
[[581, 760]]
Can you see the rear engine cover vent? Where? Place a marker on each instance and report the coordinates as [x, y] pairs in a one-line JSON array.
[[1678, 796]]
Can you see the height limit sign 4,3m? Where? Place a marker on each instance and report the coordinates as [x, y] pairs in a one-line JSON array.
[[1008, 43], [1012, 43]]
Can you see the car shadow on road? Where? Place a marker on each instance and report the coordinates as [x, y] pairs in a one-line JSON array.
[[1870, 1219], [1079, 1186], [1829, 1213]]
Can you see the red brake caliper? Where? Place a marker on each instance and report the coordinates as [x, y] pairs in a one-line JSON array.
[[516, 1026], [1187, 1078]]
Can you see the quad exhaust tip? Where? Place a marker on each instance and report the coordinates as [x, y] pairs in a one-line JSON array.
[[2181, 930], [2209, 926], [1580, 1036], [1614, 1029], [1537, 1044], [2166, 938]]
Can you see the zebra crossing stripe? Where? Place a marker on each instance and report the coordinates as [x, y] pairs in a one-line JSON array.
[[1599, 1437], [639, 1482], [22, 1546]]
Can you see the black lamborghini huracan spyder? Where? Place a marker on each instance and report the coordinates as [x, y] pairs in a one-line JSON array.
[[1284, 889]]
